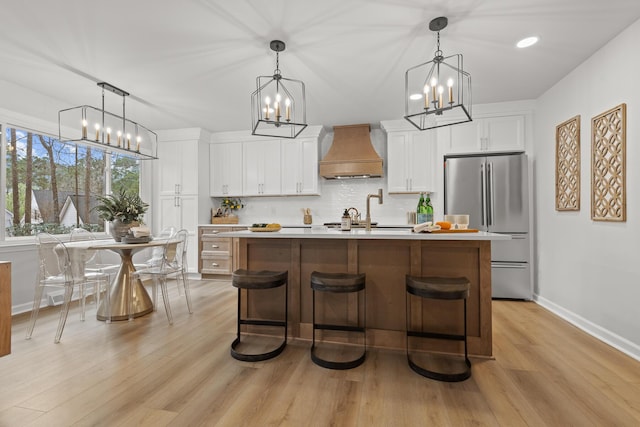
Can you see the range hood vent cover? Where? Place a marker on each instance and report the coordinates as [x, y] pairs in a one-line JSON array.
[[351, 154]]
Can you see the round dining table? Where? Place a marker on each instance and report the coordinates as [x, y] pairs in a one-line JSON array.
[[81, 250]]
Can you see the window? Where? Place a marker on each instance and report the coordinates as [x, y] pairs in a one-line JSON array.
[[52, 186]]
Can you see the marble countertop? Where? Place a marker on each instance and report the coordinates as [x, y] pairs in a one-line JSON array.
[[318, 232]]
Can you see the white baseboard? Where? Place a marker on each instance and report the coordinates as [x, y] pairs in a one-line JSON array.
[[624, 345]]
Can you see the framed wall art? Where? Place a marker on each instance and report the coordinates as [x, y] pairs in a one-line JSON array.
[[608, 165], [568, 165]]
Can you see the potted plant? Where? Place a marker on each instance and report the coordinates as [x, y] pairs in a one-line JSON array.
[[225, 214], [123, 210]]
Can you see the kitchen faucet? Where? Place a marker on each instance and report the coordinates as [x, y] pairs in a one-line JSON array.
[[368, 218]]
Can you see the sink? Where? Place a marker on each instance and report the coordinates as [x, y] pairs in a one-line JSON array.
[[358, 225]]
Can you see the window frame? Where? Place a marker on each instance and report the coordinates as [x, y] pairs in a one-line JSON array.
[[24, 122]]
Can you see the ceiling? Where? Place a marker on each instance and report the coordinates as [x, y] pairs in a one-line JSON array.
[[193, 63]]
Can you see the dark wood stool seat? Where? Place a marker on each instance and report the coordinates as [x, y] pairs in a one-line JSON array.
[[441, 288], [338, 283], [252, 281]]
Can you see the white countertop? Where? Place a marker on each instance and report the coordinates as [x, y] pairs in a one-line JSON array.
[[407, 226], [375, 234]]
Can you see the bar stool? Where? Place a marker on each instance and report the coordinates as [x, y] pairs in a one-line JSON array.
[[259, 280], [339, 283], [441, 288]]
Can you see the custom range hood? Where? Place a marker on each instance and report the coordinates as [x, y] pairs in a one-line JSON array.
[[351, 154]]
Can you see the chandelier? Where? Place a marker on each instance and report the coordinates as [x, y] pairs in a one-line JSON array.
[[278, 105], [427, 105], [111, 132]]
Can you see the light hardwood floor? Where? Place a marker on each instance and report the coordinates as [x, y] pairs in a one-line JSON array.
[[545, 373]]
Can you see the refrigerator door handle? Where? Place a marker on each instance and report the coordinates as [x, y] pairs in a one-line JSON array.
[[508, 265], [483, 196], [489, 194]]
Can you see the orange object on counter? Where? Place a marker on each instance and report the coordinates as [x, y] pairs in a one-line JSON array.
[[445, 225]]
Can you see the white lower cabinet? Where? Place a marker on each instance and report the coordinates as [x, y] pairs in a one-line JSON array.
[[182, 212]]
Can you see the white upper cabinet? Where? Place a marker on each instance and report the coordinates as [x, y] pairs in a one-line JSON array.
[[178, 175], [225, 160], [497, 133], [299, 166], [411, 161], [247, 165], [261, 168]]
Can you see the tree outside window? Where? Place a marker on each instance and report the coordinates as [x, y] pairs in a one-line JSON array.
[[52, 186]]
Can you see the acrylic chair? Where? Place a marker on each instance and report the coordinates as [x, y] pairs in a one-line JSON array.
[[56, 270], [157, 251], [93, 265], [173, 263]]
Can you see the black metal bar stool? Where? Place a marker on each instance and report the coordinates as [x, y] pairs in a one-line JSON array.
[[441, 288], [259, 280], [339, 283]]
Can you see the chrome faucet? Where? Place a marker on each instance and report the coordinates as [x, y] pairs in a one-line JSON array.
[[368, 218]]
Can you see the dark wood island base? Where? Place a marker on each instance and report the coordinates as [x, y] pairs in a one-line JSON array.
[[385, 262]]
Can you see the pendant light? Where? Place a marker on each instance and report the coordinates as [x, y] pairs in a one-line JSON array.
[[93, 126], [438, 92], [278, 105]]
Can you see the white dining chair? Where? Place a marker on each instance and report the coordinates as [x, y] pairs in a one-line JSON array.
[[173, 263], [55, 270]]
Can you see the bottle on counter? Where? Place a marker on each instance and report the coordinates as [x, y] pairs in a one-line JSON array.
[[421, 210], [345, 224], [428, 209]]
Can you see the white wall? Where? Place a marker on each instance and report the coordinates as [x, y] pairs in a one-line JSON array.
[[588, 271]]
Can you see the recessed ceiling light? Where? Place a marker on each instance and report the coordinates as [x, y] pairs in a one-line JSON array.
[[526, 42], [415, 96]]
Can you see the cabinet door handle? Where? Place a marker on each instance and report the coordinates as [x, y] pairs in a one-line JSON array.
[[410, 183], [214, 264], [214, 246], [176, 188]]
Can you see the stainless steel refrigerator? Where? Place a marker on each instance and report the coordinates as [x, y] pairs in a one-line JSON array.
[[494, 191]]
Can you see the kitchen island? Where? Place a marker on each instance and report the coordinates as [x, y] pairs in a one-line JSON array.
[[386, 256]]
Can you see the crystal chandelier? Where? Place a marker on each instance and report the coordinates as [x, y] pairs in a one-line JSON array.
[[428, 104], [278, 105], [114, 133]]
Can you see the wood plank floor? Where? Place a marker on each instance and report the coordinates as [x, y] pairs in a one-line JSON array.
[[545, 373]]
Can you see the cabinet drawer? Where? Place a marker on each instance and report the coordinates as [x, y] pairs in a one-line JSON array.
[[218, 246], [207, 234], [216, 265]]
